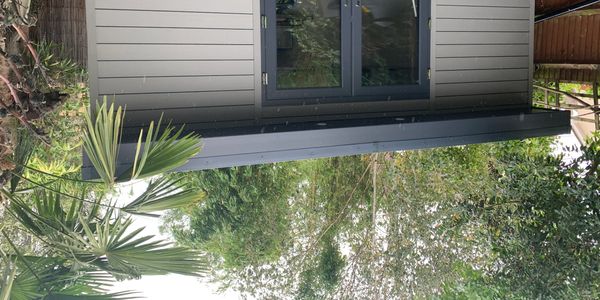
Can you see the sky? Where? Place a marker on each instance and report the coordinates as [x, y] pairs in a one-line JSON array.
[[190, 288], [170, 286]]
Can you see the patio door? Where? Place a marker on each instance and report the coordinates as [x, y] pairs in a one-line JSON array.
[[345, 49]]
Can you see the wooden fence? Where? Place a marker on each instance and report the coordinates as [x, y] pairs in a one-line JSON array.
[[63, 22]]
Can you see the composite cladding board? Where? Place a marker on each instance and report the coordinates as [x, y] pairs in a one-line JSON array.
[[191, 59], [482, 53]]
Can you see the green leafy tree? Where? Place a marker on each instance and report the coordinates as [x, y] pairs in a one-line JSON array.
[[548, 241], [521, 221], [243, 219]]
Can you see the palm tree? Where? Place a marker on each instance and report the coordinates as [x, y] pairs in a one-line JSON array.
[[88, 242]]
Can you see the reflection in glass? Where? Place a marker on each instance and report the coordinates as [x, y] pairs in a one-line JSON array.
[[308, 44], [390, 48]]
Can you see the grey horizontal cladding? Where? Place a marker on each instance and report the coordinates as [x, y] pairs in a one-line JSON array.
[[476, 25], [190, 115], [500, 3], [482, 54], [477, 88], [174, 68], [192, 60], [481, 63], [174, 84], [127, 35], [472, 38], [225, 6], [480, 101], [129, 18], [175, 52], [481, 50], [482, 75], [480, 12], [161, 101]]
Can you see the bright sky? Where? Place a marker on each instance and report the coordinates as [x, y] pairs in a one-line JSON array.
[[170, 286], [189, 288]]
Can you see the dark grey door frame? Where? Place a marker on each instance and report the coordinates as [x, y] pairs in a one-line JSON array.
[[350, 89]]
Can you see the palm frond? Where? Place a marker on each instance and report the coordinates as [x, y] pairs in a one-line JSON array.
[[112, 247], [159, 152], [9, 273], [107, 243], [50, 278], [163, 194], [31, 277], [46, 217], [101, 139], [112, 296], [23, 150]]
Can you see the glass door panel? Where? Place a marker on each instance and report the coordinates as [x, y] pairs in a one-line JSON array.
[[308, 44], [390, 42], [307, 49]]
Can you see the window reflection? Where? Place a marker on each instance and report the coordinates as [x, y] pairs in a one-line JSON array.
[[308, 44], [390, 48]]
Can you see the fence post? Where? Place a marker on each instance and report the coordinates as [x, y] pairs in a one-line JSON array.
[[557, 95], [546, 98], [596, 108]]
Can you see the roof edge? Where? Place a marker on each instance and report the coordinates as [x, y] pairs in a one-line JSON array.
[[441, 131]]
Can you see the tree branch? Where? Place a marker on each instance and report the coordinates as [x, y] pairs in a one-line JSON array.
[[23, 120], [32, 50]]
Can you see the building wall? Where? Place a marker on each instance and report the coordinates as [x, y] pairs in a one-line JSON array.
[[483, 53], [192, 59], [199, 61]]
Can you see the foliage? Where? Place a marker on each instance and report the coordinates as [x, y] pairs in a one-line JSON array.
[[474, 284], [64, 124], [63, 237], [318, 282], [43, 278], [549, 241], [88, 241], [243, 219], [29, 88], [156, 152], [493, 221]]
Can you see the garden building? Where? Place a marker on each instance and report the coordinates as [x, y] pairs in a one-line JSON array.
[[265, 80]]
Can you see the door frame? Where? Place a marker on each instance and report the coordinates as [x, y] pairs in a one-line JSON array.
[[350, 89]]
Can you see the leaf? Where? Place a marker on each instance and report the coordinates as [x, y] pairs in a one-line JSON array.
[[161, 152], [22, 153], [101, 139], [163, 194], [105, 242], [112, 296], [156, 152]]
